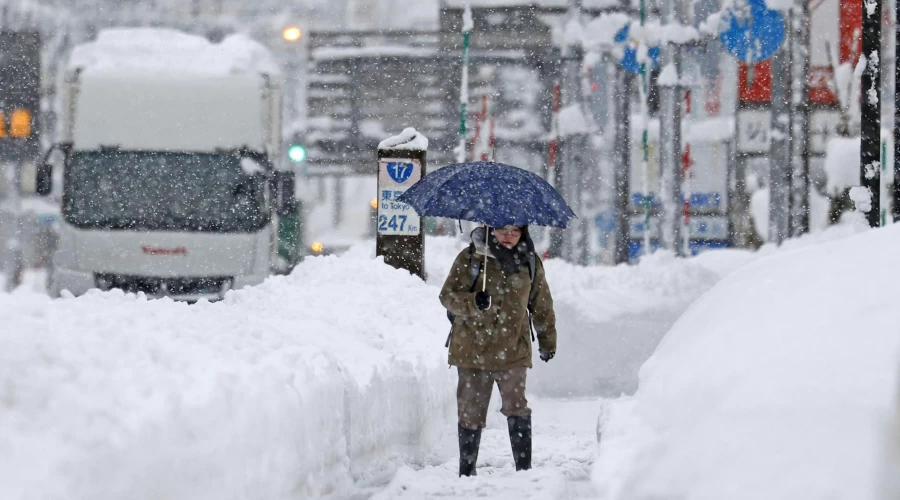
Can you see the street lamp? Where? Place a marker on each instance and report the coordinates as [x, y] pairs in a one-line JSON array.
[[291, 34]]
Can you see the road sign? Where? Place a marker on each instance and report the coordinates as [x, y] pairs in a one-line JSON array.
[[753, 34], [395, 176], [629, 61]]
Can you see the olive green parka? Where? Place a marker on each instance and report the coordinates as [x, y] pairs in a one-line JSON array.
[[498, 338]]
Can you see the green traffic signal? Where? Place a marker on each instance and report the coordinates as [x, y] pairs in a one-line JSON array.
[[297, 153]]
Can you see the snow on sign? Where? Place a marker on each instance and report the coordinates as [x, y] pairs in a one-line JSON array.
[[395, 176]]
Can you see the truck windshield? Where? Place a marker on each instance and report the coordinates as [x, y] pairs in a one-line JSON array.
[[163, 191]]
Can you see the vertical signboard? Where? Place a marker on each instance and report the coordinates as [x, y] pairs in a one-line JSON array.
[[395, 176], [399, 237]]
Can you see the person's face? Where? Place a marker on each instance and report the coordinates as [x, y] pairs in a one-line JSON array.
[[508, 236]]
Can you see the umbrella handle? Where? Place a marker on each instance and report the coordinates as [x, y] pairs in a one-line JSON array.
[[484, 274]]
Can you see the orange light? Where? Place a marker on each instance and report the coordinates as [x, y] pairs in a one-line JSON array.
[[317, 247], [291, 34], [374, 203], [2, 124], [20, 123]]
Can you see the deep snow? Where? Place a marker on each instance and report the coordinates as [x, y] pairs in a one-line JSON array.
[[318, 383], [776, 384], [295, 388], [321, 383]]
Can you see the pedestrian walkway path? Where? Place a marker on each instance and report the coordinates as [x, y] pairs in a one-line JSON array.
[[564, 449]]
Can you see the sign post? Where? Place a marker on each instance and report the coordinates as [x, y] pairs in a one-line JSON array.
[[401, 163]]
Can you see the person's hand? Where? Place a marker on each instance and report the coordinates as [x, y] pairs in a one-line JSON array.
[[547, 355], [483, 300]]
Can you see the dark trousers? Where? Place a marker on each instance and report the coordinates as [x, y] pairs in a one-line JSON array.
[[473, 395]]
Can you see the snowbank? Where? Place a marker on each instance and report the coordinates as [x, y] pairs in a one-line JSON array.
[[572, 121], [776, 384], [610, 319], [842, 161], [291, 389], [819, 212], [155, 50]]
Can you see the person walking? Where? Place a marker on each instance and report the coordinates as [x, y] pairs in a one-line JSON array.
[[495, 291]]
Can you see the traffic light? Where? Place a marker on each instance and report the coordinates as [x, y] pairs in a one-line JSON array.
[[296, 153]]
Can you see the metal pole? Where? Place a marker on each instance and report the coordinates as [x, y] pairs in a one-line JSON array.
[[799, 219], [623, 169], [896, 193], [870, 123], [464, 86], [573, 144], [556, 236], [686, 160], [645, 147], [780, 157], [670, 142]]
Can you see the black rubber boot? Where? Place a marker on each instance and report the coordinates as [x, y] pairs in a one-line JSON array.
[[520, 438], [469, 441]]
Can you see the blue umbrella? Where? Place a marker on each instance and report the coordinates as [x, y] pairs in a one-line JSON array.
[[494, 194]]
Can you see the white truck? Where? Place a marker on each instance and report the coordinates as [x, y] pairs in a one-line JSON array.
[[169, 150]]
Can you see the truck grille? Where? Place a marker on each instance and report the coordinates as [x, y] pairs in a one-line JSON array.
[[165, 287]]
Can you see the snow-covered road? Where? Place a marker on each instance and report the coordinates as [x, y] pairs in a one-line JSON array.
[[564, 449]]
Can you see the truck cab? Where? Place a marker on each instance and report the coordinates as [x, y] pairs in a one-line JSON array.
[[169, 149]]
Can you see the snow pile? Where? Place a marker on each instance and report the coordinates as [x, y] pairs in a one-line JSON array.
[[468, 22], [409, 139], [716, 129], [819, 211], [842, 160], [573, 35], [601, 31], [862, 198], [286, 390], [609, 320], [668, 77], [776, 384], [842, 163], [155, 50], [572, 121]]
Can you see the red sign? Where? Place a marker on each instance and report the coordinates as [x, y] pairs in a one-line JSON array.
[[834, 23], [850, 28], [755, 86]]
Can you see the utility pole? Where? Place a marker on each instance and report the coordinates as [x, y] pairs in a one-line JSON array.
[[622, 93], [573, 145], [870, 123], [780, 155], [670, 139], [896, 204], [799, 131]]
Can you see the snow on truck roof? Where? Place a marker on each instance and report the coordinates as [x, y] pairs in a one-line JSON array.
[[165, 50]]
